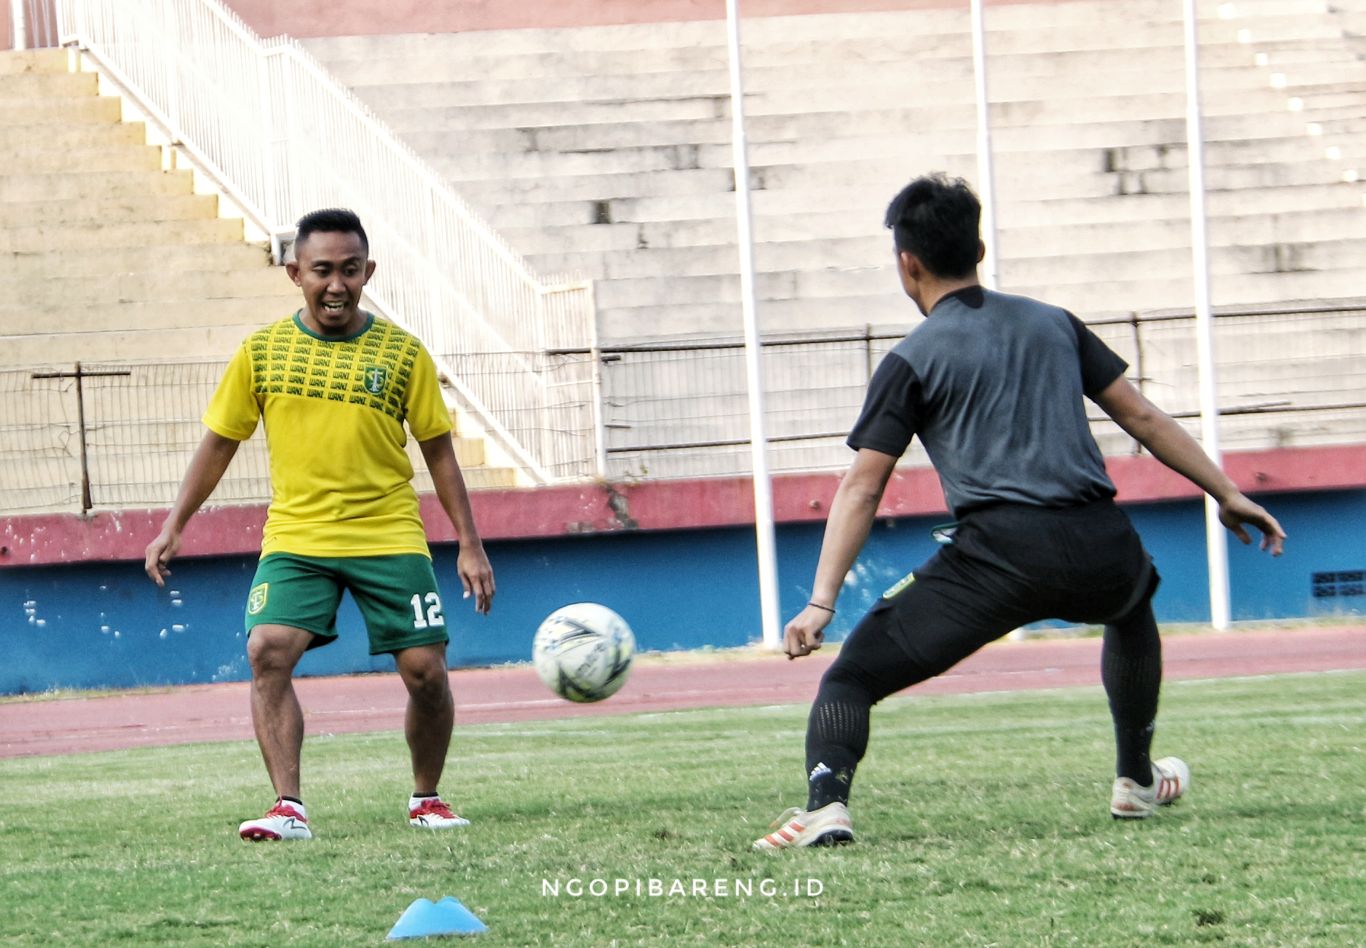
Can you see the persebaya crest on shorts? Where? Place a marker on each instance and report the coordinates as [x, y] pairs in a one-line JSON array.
[[373, 372], [257, 598]]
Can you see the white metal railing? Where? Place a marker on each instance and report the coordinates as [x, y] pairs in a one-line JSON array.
[[33, 24], [282, 137]]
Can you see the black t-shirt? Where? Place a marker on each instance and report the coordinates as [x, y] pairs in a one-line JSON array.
[[993, 385]]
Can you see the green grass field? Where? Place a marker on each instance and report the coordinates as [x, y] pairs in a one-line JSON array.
[[982, 820]]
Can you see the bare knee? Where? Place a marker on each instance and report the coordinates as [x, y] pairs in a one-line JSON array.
[[273, 651], [423, 670]]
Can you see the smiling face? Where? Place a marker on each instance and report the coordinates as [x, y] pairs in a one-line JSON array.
[[331, 267]]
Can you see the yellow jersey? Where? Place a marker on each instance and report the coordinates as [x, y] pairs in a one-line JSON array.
[[334, 411]]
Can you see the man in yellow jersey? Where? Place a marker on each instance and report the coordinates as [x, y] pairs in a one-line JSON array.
[[335, 385]]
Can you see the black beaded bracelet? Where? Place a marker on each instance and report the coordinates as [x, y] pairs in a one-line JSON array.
[[819, 606]]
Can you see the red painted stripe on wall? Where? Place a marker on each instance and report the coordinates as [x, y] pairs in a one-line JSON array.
[[585, 509]]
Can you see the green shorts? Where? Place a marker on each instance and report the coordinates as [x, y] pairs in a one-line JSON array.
[[396, 595]]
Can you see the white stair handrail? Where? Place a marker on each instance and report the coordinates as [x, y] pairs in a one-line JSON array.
[[272, 128]]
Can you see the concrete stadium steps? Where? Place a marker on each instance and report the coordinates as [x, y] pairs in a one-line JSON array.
[[172, 300], [173, 258], [108, 258], [50, 235], [111, 255], [1073, 174], [32, 65], [1222, 92], [1277, 141], [81, 189], [775, 41], [46, 82], [1059, 272], [607, 150], [1175, 291], [1259, 233], [20, 141], [83, 110], [1287, 146], [1139, 208], [832, 129], [1313, 207], [377, 80], [96, 210], [860, 211], [809, 302], [117, 344]]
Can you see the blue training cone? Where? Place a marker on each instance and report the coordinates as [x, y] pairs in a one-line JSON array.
[[425, 919]]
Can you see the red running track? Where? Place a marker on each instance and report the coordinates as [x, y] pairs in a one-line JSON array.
[[197, 713]]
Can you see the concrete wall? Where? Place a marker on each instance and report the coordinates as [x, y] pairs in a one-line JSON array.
[[676, 559], [96, 625], [309, 18]]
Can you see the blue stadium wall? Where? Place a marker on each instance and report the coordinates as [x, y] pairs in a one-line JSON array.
[[104, 625]]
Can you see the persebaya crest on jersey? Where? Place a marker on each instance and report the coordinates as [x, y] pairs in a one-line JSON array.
[[376, 378]]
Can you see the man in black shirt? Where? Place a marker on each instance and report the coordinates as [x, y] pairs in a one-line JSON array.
[[993, 386]]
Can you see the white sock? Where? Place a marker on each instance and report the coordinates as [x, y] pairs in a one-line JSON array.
[[297, 806], [415, 800]]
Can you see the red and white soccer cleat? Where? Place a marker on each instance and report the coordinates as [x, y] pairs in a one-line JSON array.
[[284, 821], [827, 826], [433, 813]]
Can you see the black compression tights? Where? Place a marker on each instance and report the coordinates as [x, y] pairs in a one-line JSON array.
[[1131, 670], [837, 728], [871, 666]]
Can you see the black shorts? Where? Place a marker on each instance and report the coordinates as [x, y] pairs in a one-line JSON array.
[[1010, 565]]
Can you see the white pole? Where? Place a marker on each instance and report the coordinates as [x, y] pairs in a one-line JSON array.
[[986, 185], [19, 24], [763, 497], [1216, 541]]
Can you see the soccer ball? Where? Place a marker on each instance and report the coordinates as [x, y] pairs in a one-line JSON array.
[[583, 651]]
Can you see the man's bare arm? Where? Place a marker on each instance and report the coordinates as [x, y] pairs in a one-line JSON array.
[[1173, 446]]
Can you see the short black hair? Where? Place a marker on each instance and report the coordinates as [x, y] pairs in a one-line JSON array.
[[938, 219], [331, 220]]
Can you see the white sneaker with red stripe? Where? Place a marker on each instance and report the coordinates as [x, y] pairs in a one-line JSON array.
[[433, 813], [827, 826], [284, 821], [1129, 801]]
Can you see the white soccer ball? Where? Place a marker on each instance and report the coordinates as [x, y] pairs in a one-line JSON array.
[[583, 651]]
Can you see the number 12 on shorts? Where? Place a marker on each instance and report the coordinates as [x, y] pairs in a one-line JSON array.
[[432, 618]]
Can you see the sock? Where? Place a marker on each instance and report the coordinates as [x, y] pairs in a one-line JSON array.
[[1131, 670], [296, 804], [836, 739], [416, 799]]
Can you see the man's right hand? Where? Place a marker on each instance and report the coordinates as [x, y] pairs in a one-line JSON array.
[[159, 553], [1238, 510], [806, 632]]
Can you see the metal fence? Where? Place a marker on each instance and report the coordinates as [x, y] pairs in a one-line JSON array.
[[33, 23], [120, 435], [1287, 377], [281, 137]]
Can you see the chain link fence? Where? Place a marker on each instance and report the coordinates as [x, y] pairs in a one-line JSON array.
[[121, 435], [1287, 377]]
